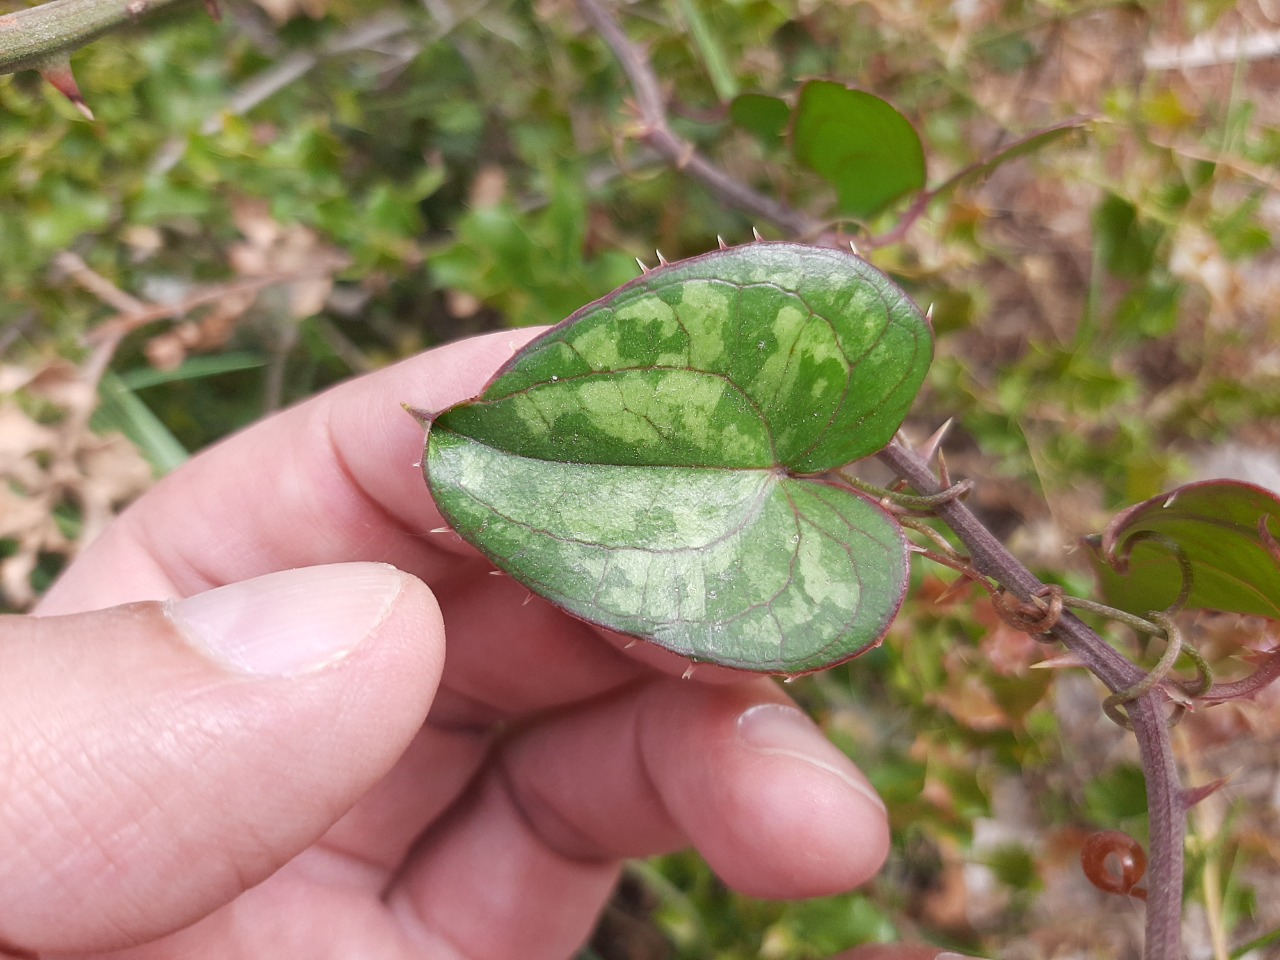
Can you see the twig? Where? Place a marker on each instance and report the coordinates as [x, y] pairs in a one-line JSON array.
[[145, 313], [260, 87], [656, 132], [1210, 51], [33, 36], [1166, 806]]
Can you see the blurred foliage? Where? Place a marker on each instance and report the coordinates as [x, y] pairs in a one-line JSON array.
[[304, 198]]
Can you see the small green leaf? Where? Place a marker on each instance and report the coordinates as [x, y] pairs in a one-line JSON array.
[[122, 410], [1126, 243], [859, 144], [653, 464], [1227, 531], [763, 115]]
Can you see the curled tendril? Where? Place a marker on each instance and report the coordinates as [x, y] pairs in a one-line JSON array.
[[1037, 616], [1112, 705], [1114, 862], [1120, 561], [908, 501]]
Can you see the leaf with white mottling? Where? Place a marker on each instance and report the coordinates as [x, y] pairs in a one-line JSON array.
[[653, 463]]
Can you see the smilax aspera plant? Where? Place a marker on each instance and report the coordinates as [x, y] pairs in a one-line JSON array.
[[671, 462], [675, 461]]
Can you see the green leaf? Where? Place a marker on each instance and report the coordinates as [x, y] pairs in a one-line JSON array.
[[859, 144], [708, 44], [653, 464], [1126, 243], [763, 115], [1226, 530], [122, 410]]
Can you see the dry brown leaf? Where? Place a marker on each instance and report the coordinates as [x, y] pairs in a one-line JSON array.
[[272, 248], [20, 437], [113, 475], [45, 467], [282, 11]]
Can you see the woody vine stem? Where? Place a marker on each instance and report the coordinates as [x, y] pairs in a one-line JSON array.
[[1166, 798]]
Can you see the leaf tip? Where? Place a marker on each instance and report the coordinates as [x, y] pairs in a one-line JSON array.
[[423, 417]]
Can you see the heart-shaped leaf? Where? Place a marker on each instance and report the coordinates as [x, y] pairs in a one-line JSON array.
[[652, 464], [859, 144], [1225, 530]]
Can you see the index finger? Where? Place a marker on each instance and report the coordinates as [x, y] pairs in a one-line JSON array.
[[333, 479]]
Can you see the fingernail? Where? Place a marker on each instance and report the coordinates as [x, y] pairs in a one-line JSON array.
[[292, 622], [776, 728]]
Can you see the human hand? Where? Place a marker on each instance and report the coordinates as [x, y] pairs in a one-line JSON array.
[[268, 754]]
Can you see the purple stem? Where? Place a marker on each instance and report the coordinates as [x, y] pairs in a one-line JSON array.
[[656, 132], [1166, 805]]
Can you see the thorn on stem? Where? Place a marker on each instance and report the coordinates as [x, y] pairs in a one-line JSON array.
[[58, 72], [853, 248], [944, 475], [721, 243], [928, 314], [756, 233], [643, 268], [934, 443], [662, 261], [688, 672], [1062, 662], [1193, 795]]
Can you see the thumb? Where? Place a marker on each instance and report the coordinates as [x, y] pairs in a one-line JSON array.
[[156, 759]]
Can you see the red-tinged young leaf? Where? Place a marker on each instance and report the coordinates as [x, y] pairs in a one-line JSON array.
[[859, 144], [1225, 530], [1267, 672], [655, 463]]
